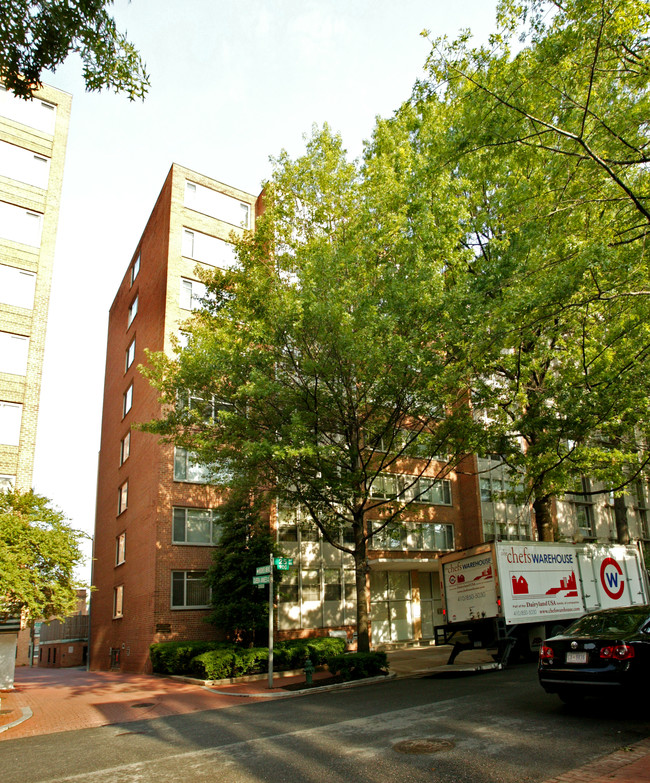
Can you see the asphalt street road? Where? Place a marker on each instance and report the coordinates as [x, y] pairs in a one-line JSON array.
[[498, 727]]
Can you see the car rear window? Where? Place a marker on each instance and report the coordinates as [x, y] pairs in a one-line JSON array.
[[609, 623]]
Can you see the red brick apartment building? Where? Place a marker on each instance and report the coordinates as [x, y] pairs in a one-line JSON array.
[[155, 524]]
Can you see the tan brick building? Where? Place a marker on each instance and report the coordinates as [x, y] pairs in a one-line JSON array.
[[33, 136]]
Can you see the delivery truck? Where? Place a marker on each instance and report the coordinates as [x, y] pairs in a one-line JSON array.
[[510, 595]]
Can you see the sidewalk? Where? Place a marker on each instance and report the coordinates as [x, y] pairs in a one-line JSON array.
[[46, 701]]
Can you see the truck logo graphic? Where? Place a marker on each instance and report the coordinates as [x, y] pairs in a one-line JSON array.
[[611, 578]]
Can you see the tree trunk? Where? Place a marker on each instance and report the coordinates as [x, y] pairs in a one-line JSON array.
[[620, 515], [543, 518], [362, 582]]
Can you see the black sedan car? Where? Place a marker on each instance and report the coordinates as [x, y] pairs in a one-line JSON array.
[[601, 654]]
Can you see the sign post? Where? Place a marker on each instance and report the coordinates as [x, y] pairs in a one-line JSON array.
[[270, 567], [264, 576]]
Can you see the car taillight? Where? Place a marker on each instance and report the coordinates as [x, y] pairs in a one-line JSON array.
[[620, 652], [546, 653]]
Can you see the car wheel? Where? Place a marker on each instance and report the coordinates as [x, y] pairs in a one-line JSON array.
[[571, 697]]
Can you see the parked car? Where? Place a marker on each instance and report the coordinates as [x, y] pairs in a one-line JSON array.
[[600, 654]]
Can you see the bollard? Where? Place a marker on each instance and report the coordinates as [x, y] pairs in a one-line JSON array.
[[309, 670]]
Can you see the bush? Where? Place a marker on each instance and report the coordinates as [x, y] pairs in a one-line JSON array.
[[356, 666], [214, 664], [176, 657], [293, 653], [250, 660]]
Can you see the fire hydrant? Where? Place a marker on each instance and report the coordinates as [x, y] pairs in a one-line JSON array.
[[309, 670]]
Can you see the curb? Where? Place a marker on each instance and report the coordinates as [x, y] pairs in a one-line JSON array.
[[317, 689], [27, 714]]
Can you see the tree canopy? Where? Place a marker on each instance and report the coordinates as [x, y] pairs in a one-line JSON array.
[[546, 137], [39, 552], [38, 35]]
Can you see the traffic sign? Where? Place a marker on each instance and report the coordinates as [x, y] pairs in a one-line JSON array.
[[263, 569], [262, 580], [283, 563]]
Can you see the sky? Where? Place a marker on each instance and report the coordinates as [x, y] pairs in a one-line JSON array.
[[233, 83]]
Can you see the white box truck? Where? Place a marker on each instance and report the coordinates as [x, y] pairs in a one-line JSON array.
[[511, 594]]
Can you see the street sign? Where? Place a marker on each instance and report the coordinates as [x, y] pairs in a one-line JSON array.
[[263, 569], [283, 563], [262, 580]]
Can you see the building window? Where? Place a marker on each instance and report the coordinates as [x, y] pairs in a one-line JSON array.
[[218, 205], [18, 224], [130, 354], [208, 249], [584, 510], [189, 590], [24, 165], [123, 498], [35, 113], [7, 482], [192, 294], [133, 311], [188, 468], [200, 526], [118, 601], [135, 269], [17, 287], [127, 401], [14, 349], [125, 448], [120, 549], [640, 495], [413, 536], [10, 419], [407, 488]]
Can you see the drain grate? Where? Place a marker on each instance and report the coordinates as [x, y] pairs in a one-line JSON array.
[[143, 704], [422, 746]]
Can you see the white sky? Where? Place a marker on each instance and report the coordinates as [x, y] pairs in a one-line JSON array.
[[232, 83]]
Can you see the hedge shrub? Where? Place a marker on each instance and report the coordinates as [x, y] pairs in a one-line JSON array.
[[221, 660], [293, 653], [214, 664], [176, 657], [356, 666]]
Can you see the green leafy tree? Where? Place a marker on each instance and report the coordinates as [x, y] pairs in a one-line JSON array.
[[547, 139], [325, 350], [238, 606], [38, 35], [38, 555]]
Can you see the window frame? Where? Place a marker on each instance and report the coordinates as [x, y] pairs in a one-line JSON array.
[[123, 497], [185, 606], [215, 528], [118, 602], [120, 548]]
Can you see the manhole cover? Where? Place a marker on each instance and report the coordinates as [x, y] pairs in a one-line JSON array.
[[144, 704], [423, 746]]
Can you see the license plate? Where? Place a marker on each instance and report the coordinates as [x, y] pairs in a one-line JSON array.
[[576, 657]]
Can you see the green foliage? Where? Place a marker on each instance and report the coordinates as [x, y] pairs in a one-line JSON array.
[[547, 141], [38, 35], [356, 666], [220, 660], [327, 343], [239, 607], [38, 555], [176, 657], [293, 653], [214, 664]]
